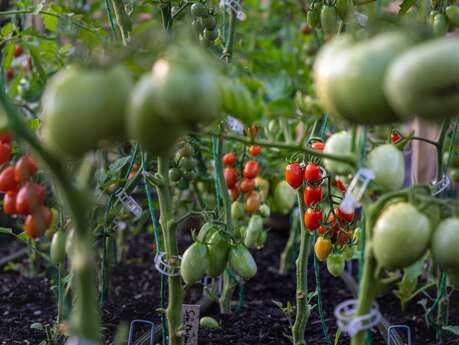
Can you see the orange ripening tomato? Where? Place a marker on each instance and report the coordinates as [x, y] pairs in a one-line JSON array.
[[247, 185], [25, 168], [252, 203], [229, 158], [322, 248]]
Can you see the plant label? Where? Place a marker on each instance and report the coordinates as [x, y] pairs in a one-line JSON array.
[[190, 317]]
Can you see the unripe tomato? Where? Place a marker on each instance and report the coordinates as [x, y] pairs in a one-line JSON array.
[[194, 263], [9, 203], [5, 136], [313, 219], [174, 174], [401, 236], [338, 144], [284, 197], [454, 175], [25, 168], [262, 186], [18, 50], [57, 249], [343, 8], [208, 322], [318, 146], [209, 22], [312, 195], [329, 19], [388, 164], [5, 152], [242, 262], [445, 244], [29, 198], [452, 12], [294, 175], [343, 237], [252, 203], [237, 210], [255, 150], [247, 185], [335, 264], [348, 217], [322, 248], [251, 169], [313, 17], [229, 158], [230, 175], [265, 211], [218, 250], [7, 181], [312, 173], [211, 34], [199, 10], [440, 24]]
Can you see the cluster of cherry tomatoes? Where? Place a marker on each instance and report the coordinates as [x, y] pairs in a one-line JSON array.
[[26, 63], [23, 196], [246, 185]]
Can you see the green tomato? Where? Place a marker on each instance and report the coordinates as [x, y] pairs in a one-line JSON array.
[[237, 210], [344, 8], [262, 238], [313, 17], [388, 164], [209, 22], [155, 133], [264, 210], [237, 100], [194, 263], [83, 107], [445, 244], [335, 264], [211, 34], [253, 230], [349, 77], [199, 10], [452, 12], [401, 236], [174, 174], [454, 175], [420, 82], [218, 251], [348, 252], [206, 231], [329, 19], [242, 262], [339, 144], [284, 196], [57, 249], [440, 24], [208, 322]]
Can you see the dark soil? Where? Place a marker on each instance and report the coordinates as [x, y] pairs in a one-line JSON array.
[[135, 295]]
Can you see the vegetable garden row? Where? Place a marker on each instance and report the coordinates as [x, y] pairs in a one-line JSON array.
[[232, 172]]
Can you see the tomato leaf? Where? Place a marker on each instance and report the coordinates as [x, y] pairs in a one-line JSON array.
[[8, 54], [119, 164]]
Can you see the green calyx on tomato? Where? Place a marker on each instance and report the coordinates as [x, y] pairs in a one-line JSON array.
[[388, 165]]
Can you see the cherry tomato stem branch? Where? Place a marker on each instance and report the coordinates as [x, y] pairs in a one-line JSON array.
[[122, 20]]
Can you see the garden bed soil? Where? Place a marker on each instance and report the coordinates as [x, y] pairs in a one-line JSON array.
[[135, 295]]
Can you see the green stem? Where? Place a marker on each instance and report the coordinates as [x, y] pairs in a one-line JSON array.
[[302, 305], [440, 145], [122, 20], [60, 293], [228, 50], [286, 256], [169, 229]]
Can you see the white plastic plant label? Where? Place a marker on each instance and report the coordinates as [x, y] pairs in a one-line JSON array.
[[130, 204], [356, 189], [190, 317], [235, 125]]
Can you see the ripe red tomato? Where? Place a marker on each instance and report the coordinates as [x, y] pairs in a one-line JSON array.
[[343, 237], [230, 175], [254, 150], [9, 202], [348, 217], [234, 193], [294, 175], [395, 137], [252, 203], [30, 196], [229, 158], [251, 169], [5, 137], [18, 50], [25, 168], [312, 195], [323, 230], [312, 173], [7, 181], [10, 73], [247, 185], [332, 223], [5, 152], [340, 185], [318, 146], [313, 219], [37, 223]]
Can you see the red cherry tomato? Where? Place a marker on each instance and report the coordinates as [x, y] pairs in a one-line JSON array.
[[7, 181], [5, 152], [343, 237], [234, 193], [312, 173], [254, 150], [323, 230], [5, 137], [9, 202], [251, 169], [340, 185], [37, 223], [312, 195], [348, 217], [247, 185], [18, 50], [230, 175], [29, 198], [332, 223], [313, 219], [318, 146], [294, 175], [10, 73], [25, 168], [395, 137], [229, 158]]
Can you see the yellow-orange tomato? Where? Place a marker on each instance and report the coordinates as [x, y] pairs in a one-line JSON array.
[[252, 203], [322, 248]]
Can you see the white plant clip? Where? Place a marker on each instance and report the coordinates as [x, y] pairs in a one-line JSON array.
[[119, 225], [164, 267], [235, 125], [130, 204], [351, 324], [235, 5], [356, 189], [440, 186]]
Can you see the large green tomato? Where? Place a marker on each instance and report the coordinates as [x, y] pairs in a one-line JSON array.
[[349, 77], [218, 250], [82, 107], [185, 91], [57, 248], [445, 244], [195, 263], [284, 197], [242, 262], [339, 144], [155, 133], [335, 264], [401, 236], [388, 164], [253, 230], [424, 81]]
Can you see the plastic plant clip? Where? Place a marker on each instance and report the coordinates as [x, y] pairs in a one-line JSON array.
[[163, 266], [206, 280], [351, 324], [356, 189], [440, 186], [235, 5], [142, 322], [235, 125], [119, 225], [392, 332], [130, 204]]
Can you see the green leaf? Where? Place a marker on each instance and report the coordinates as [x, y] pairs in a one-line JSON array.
[[281, 107], [34, 52], [452, 329], [337, 336], [8, 54], [119, 164], [50, 22], [38, 7], [7, 30], [406, 5]]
